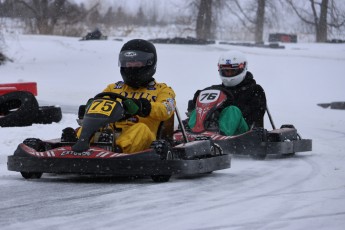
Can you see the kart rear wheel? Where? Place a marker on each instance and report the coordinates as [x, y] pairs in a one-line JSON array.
[[164, 149], [31, 175], [160, 178]]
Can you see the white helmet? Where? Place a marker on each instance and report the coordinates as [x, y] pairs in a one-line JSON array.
[[232, 68]]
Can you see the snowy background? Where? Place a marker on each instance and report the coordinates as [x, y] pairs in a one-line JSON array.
[[306, 191]]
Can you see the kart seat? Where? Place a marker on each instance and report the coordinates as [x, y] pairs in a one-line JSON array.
[[259, 123]]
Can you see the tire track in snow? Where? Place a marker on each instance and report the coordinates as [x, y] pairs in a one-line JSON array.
[[218, 202], [74, 194]]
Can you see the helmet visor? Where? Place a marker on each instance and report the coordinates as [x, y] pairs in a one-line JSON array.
[[231, 70], [136, 59]]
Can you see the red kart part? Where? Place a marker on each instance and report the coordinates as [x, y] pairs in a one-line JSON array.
[[23, 86]]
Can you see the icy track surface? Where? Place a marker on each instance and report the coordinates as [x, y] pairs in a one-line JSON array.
[[306, 191]]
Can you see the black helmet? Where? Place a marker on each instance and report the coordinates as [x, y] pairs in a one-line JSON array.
[[138, 61]]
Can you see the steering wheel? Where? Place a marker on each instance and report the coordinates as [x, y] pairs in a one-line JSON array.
[[129, 108], [113, 96]]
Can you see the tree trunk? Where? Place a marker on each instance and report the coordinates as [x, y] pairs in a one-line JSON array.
[[321, 27], [42, 25], [260, 20], [204, 20]]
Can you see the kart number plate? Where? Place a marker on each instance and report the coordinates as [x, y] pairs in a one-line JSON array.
[[209, 96], [104, 107]]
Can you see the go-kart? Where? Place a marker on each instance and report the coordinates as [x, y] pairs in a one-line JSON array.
[[258, 142], [163, 159]]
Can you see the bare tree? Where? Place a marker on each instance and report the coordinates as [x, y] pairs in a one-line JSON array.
[[204, 19], [48, 13], [317, 16], [260, 20], [2, 42], [3, 57], [254, 23], [120, 16]]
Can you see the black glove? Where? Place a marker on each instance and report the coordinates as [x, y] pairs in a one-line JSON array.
[[141, 106]]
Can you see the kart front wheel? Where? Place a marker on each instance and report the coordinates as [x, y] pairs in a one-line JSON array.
[[31, 175], [160, 178]]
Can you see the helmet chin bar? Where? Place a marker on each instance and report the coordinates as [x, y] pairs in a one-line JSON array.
[[233, 81], [137, 77]]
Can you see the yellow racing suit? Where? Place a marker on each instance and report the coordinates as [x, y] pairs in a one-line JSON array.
[[137, 133]]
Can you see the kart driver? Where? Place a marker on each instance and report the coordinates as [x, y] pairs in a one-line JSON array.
[[246, 102], [155, 101]]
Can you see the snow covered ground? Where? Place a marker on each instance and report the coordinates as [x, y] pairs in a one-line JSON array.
[[303, 192]]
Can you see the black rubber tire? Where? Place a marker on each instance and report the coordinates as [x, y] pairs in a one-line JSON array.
[[164, 149], [287, 126], [288, 155], [35, 143], [48, 115], [18, 109], [38, 145], [31, 175]]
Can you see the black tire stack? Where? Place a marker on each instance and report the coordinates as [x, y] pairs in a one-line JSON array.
[[20, 108]]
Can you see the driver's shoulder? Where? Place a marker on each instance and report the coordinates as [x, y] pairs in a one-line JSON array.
[[113, 86], [220, 86], [162, 87], [212, 87]]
